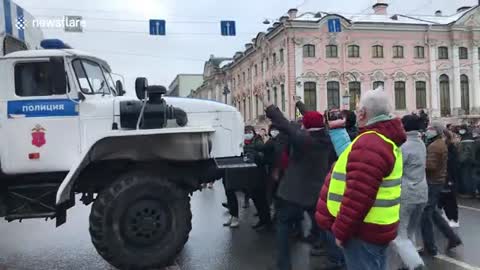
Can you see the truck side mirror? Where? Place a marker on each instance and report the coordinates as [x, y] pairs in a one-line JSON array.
[[58, 75], [119, 88], [141, 85]]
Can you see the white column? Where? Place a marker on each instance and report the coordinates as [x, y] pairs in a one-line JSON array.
[[299, 70], [433, 96], [475, 87], [456, 102]]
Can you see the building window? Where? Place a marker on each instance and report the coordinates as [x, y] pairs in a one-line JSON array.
[[377, 51], [478, 53], [245, 109], [442, 53], [444, 95], [244, 77], [267, 64], [308, 50], [333, 95], [463, 53], [419, 52], [249, 74], [250, 108], [256, 70], [238, 80], [274, 56], [42, 85], [257, 111], [281, 55], [378, 84], [398, 52], [268, 95], [310, 93], [465, 100], [275, 96], [421, 94], [400, 99], [353, 51], [355, 92], [332, 51], [282, 90]]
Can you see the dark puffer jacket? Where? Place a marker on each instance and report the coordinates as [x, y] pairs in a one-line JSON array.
[[370, 160], [310, 157]]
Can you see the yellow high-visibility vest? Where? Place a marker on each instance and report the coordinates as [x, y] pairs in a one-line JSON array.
[[386, 209]]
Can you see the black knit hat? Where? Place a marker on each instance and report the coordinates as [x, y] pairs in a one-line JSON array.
[[412, 122]]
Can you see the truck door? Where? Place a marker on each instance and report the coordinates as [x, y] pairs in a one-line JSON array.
[[42, 123]]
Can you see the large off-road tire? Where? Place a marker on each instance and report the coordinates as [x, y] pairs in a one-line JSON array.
[[140, 222]]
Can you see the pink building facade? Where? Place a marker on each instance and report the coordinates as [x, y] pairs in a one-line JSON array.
[[422, 62]]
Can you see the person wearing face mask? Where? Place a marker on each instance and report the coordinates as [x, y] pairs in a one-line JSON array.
[[436, 172], [254, 150], [273, 154], [359, 204]]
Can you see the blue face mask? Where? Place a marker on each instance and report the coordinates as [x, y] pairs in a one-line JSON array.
[[248, 136], [431, 134]]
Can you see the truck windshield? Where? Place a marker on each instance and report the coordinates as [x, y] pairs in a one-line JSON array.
[[91, 77]]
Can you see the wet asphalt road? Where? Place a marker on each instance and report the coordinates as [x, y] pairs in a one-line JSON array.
[[36, 244]]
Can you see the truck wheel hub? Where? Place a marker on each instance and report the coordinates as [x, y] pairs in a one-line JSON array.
[[146, 222]]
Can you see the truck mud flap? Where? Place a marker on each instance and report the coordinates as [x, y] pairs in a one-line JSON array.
[[240, 174]]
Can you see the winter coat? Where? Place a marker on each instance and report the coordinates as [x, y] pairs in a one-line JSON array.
[[452, 164], [414, 183], [370, 160], [437, 157], [253, 150], [310, 157]]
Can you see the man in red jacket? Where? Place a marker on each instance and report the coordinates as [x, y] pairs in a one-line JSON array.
[[360, 200]]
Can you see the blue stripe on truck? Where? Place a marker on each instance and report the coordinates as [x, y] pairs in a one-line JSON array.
[[42, 108], [7, 9], [21, 30]]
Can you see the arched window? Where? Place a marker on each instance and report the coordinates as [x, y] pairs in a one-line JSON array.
[[353, 51], [310, 93], [308, 50], [463, 53], [398, 52], [443, 53], [465, 99], [400, 98], [377, 51], [333, 95], [378, 84], [355, 92], [421, 94], [332, 51], [275, 96], [444, 95]]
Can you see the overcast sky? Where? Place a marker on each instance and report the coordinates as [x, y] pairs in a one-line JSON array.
[[117, 30]]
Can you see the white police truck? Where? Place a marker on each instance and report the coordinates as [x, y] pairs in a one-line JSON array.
[[69, 134]]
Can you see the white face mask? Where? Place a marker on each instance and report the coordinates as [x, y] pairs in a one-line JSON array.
[[248, 136], [274, 133], [462, 131]]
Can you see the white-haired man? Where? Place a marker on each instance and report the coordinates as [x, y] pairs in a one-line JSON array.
[[360, 200]]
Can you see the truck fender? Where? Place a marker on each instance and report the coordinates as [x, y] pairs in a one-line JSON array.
[[99, 151]]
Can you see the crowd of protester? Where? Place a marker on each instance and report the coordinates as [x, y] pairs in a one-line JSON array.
[[368, 182]]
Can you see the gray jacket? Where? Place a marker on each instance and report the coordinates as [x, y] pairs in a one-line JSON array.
[[414, 183]]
